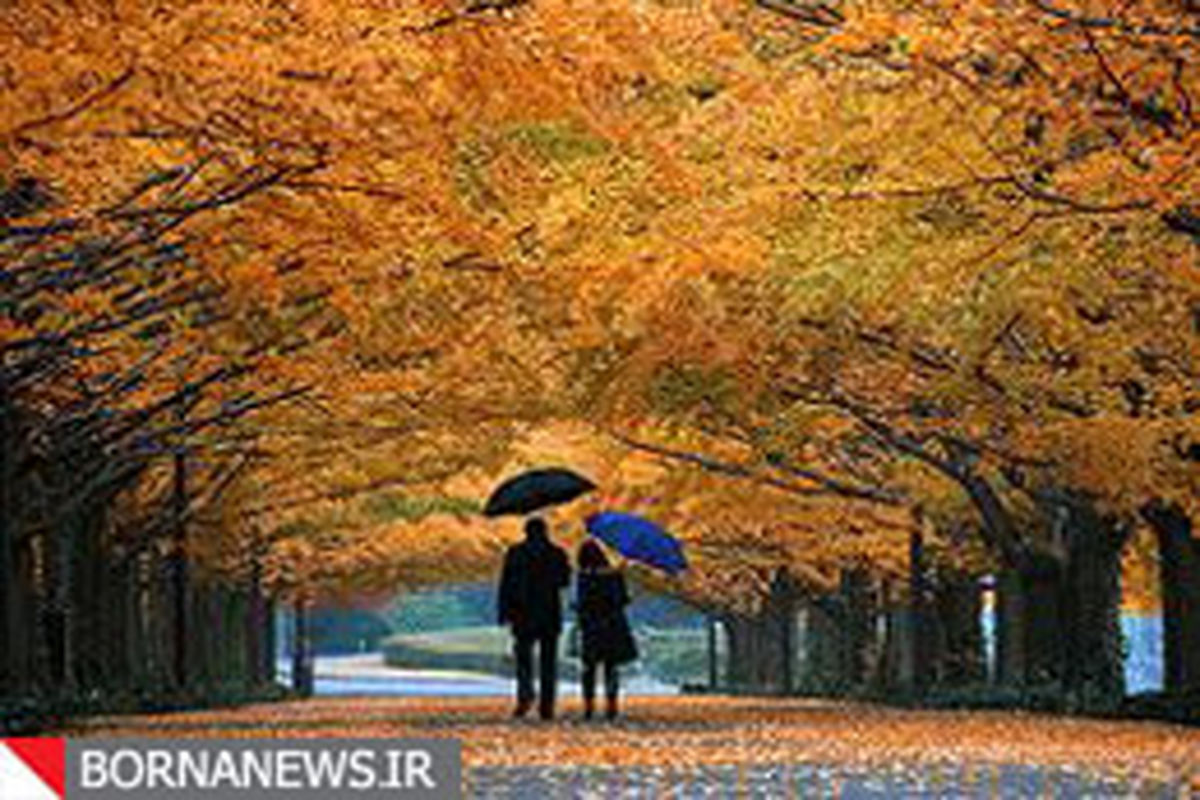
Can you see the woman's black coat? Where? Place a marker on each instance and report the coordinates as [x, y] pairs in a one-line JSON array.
[[600, 601]]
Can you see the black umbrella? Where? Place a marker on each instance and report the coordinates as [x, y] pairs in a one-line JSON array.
[[536, 489]]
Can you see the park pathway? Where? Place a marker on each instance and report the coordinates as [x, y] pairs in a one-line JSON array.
[[367, 674], [701, 747]]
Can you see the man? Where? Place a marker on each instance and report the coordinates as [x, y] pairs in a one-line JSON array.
[[535, 573]]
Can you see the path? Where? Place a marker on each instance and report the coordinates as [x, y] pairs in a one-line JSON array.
[[697, 747], [340, 676]]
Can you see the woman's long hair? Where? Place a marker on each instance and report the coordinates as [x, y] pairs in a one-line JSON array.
[[591, 557]]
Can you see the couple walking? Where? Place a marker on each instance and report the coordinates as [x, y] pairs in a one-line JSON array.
[[534, 575]]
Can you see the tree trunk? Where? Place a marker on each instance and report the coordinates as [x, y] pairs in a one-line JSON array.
[[894, 673], [1060, 619], [92, 630], [303, 677], [1042, 589], [22, 598], [256, 623], [270, 644], [180, 599], [9, 668], [755, 661], [918, 648], [1179, 573], [1010, 629], [781, 608], [857, 627], [1092, 661], [160, 622], [134, 673], [1028, 624], [711, 629], [822, 673], [740, 669], [958, 606], [57, 608], [235, 661]]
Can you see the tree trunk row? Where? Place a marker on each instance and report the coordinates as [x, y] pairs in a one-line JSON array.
[[1058, 617], [84, 627], [88, 622], [1179, 573], [1055, 628]]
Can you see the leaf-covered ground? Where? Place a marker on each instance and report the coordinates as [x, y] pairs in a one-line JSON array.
[[706, 746]]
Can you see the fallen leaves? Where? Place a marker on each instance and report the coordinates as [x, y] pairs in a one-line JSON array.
[[691, 732]]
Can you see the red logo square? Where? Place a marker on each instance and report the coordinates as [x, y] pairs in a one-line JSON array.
[[33, 769]]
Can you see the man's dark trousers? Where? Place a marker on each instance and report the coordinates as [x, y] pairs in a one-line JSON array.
[[547, 646]]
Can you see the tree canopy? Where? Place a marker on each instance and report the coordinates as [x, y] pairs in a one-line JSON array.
[[798, 278]]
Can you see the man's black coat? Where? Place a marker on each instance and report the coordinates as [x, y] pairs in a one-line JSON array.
[[535, 572]]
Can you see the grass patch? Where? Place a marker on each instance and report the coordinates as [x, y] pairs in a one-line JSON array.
[[486, 649], [557, 142], [670, 655]]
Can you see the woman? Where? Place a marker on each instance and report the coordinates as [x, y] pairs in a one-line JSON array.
[[600, 602]]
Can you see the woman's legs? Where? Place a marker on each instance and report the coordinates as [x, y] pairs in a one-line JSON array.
[[611, 686], [589, 688]]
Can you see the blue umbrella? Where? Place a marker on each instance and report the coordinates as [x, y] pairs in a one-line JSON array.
[[638, 539]]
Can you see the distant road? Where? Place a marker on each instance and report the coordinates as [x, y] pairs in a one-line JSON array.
[[366, 674]]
